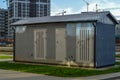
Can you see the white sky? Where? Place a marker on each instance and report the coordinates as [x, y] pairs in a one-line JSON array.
[[73, 7]]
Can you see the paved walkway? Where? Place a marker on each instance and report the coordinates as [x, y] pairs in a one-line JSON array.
[[14, 75], [112, 76], [117, 52]]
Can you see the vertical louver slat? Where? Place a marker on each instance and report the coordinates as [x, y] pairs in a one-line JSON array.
[[81, 46], [88, 45]]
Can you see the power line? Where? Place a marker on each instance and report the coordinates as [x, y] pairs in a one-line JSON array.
[[108, 9]]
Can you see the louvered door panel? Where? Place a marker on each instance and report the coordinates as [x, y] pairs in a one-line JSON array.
[[85, 45]]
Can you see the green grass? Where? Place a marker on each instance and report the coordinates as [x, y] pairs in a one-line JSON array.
[[6, 56], [56, 71], [117, 56]]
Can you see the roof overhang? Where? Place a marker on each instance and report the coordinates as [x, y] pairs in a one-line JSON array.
[[83, 17], [82, 21], [113, 18]]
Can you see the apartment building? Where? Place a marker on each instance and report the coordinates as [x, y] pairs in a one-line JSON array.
[[3, 23], [20, 9]]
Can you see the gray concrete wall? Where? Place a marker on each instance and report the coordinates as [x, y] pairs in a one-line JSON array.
[[23, 46], [25, 42], [71, 40]]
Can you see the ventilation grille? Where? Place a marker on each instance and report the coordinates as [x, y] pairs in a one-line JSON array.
[[86, 45]]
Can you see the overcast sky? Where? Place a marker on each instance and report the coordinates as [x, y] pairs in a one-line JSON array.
[[78, 6]]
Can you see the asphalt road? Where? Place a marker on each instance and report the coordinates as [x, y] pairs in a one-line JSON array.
[[114, 78]]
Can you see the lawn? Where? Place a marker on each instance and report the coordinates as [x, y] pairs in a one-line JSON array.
[[6, 56], [118, 56], [51, 70], [55, 70], [6, 52]]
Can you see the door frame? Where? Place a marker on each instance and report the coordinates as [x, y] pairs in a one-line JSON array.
[[93, 54], [35, 44], [64, 37]]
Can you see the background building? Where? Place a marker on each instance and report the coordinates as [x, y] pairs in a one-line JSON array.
[[3, 23], [19, 9], [118, 29], [117, 33]]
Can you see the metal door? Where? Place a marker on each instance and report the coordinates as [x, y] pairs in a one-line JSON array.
[[60, 44], [40, 44], [85, 45]]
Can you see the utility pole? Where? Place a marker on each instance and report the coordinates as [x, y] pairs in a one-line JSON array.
[[96, 7], [62, 13], [87, 5]]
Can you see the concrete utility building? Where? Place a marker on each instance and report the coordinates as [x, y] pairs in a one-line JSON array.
[[86, 39]]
